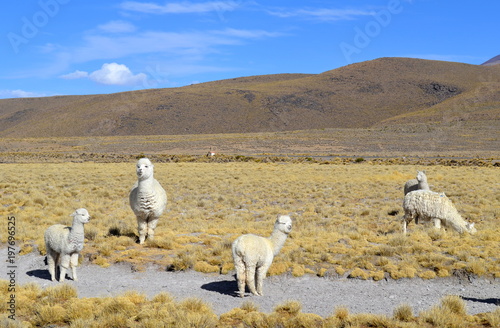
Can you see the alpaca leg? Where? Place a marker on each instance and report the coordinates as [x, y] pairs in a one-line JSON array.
[[250, 273], [260, 274], [74, 264], [52, 262], [151, 228], [240, 275], [65, 261], [143, 228], [407, 218], [437, 223]]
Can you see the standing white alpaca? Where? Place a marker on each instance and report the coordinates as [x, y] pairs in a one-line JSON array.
[[253, 255], [148, 199], [63, 244], [436, 207], [420, 183]]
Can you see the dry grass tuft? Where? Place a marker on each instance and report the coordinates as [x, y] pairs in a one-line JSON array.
[[450, 313], [454, 304], [403, 312]]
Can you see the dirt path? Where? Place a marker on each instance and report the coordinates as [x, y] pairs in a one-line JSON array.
[[317, 295]]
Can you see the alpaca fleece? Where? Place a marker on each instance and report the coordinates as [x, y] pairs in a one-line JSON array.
[[436, 207]]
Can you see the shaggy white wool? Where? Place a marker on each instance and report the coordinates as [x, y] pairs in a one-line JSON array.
[[436, 207]]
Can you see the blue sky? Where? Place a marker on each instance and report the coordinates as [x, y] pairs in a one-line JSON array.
[[71, 47]]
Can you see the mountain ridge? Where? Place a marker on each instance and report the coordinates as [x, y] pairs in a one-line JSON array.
[[367, 94]]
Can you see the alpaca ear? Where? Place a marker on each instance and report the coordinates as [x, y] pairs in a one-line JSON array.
[[78, 212]]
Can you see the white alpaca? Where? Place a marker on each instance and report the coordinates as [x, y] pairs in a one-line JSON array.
[[436, 207], [63, 244], [253, 255], [148, 199], [420, 183]]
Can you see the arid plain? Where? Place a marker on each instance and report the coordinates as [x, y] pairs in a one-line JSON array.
[[343, 188]]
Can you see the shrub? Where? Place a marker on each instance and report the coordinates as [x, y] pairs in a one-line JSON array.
[[403, 313]]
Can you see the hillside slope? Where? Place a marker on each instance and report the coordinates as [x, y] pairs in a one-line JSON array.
[[377, 92]]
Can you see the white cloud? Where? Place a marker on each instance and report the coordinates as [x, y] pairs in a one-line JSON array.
[[75, 75], [117, 26], [19, 94], [322, 14], [109, 74], [102, 47], [247, 34], [116, 74], [179, 7]]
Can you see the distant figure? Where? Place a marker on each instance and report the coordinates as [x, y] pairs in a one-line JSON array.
[[211, 152]]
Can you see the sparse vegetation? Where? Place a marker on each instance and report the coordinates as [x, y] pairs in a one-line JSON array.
[[343, 225], [59, 306]]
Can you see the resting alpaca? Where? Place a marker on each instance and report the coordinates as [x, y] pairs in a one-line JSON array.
[[148, 199], [63, 244], [436, 207], [253, 255]]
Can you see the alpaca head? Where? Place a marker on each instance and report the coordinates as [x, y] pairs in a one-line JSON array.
[[470, 228], [283, 224], [421, 176], [82, 215], [144, 169]]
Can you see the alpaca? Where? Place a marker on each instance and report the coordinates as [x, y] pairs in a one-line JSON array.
[[253, 255], [63, 244], [436, 207], [420, 183], [147, 199]]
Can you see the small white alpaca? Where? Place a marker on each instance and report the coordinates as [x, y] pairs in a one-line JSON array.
[[420, 183], [63, 244], [147, 199], [253, 255], [436, 207]]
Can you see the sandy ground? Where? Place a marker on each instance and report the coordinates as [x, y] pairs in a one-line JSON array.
[[317, 295]]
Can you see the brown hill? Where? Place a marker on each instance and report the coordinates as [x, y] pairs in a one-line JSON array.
[[378, 92]]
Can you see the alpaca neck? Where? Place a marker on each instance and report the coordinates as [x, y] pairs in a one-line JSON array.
[[145, 186], [76, 233], [423, 185], [458, 223], [146, 183], [278, 239]]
